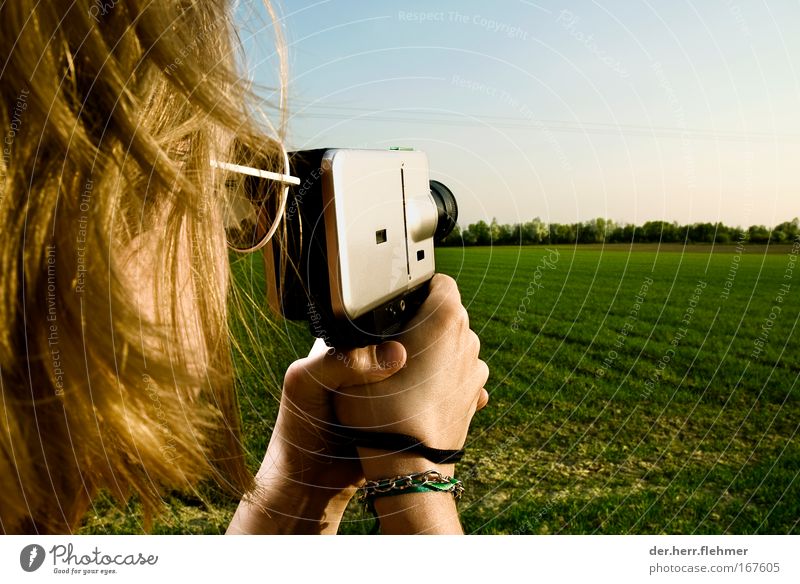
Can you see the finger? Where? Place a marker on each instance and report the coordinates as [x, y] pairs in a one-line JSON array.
[[483, 372], [443, 288], [483, 399], [338, 369], [442, 311], [483, 377]]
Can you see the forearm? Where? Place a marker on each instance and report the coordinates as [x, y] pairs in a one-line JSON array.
[[285, 505], [300, 514]]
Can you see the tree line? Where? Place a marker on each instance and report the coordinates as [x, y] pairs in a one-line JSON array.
[[607, 231]]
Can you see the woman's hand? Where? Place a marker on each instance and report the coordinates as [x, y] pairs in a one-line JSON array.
[[308, 474], [428, 385], [305, 431], [434, 397]]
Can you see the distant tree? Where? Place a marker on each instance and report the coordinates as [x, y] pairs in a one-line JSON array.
[[494, 230], [601, 230], [588, 232], [615, 234], [482, 232], [604, 228], [652, 231], [701, 233], [533, 231], [501, 234], [563, 233], [722, 233], [542, 230], [737, 233], [758, 234], [506, 236], [787, 231], [624, 234], [681, 233], [468, 236], [523, 235], [660, 232]]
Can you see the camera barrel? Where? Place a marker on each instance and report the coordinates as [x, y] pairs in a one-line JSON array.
[[447, 207]]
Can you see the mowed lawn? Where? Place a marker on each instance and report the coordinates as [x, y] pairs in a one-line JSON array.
[[633, 390], [596, 426]]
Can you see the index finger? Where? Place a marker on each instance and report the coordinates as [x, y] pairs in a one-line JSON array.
[[444, 289]]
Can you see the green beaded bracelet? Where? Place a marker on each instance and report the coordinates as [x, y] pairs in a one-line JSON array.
[[429, 481]]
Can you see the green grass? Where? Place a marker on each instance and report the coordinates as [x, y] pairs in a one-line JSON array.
[[709, 447], [575, 439]]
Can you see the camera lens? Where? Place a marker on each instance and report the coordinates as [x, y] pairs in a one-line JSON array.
[[447, 207]]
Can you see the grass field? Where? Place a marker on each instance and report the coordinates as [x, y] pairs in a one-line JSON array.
[[605, 432], [634, 390]]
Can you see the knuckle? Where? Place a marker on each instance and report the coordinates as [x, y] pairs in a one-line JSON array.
[[483, 371], [461, 316], [444, 282], [446, 286], [483, 399], [296, 373], [452, 313], [455, 321], [476, 344]]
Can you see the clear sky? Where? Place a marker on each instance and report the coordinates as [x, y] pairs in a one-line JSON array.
[[686, 111]]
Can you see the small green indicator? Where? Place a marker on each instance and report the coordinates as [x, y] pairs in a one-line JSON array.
[[403, 148]]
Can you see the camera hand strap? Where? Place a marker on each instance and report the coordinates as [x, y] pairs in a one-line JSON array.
[[400, 443]]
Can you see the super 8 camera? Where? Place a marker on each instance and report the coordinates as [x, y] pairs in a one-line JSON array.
[[356, 253]]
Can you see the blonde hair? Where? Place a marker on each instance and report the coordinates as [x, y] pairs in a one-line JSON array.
[[109, 210]]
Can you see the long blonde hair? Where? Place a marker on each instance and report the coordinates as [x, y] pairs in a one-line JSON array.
[[111, 111]]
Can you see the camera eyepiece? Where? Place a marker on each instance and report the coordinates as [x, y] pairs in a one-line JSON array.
[[447, 210]]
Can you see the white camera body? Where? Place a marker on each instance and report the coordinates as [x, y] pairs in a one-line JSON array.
[[358, 242]]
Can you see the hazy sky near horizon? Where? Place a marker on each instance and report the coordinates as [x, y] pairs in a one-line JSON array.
[[686, 111]]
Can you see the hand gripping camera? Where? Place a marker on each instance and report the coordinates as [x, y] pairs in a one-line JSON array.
[[356, 254]]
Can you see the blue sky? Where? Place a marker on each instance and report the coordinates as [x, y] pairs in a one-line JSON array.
[[566, 111]]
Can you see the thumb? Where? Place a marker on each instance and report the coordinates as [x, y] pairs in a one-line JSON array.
[[344, 368]]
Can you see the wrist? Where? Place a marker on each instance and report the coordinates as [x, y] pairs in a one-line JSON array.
[[286, 501], [410, 513], [325, 469], [418, 513]]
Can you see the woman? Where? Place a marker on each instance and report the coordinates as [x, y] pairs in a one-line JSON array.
[[115, 362]]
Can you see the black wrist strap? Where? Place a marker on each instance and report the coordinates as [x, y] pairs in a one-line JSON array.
[[400, 443]]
